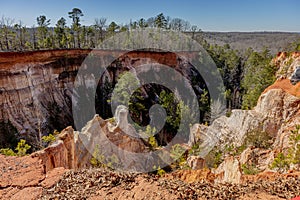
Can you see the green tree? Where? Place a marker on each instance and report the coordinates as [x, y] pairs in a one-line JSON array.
[[178, 113], [112, 28], [84, 36], [34, 38], [142, 23], [75, 15], [43, 23], [259, 73], [60, 33], [126, 83], [133, 25], [230, 65], [160, 21]]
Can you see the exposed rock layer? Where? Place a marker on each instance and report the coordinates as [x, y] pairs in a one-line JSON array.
[[36, 87], [276, 113]]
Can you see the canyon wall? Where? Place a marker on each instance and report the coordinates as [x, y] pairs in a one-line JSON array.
[[36, 87], [36, 90]]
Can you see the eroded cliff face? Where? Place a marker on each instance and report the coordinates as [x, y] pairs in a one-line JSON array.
[[36, 87], [276, 114], [36, 90], [287, 64]]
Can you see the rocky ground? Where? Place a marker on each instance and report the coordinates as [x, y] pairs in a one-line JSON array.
[[25, 178], [99, 184]]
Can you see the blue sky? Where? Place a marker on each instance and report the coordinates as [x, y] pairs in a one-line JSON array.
[[210, 15]]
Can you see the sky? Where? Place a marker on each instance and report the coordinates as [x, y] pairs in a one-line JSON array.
[[209, 15]]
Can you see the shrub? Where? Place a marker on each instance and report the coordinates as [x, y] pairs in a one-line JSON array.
[[283, 162], [113, 162], [195, 150], [249, 169], [100, 161], [280, 162], [22, 148], [214, 158], [159, 171], [178, 155], [258, 139], [294, 150], [151, 138], [48, 139], [7, 152]]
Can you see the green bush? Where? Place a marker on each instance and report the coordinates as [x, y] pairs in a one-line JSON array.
[[22, 148], [280, 162], [258, 139], [7, 152], [195, 150], [294, 150], [159, 171], [178, 155], [214, 158], [100, 161], [49, 139], [151, 139], [249, 169]]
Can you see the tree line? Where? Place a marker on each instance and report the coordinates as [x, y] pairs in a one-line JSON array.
[[18, 37]]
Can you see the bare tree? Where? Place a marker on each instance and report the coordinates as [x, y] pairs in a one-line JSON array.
[[6, 31], [176, 24], [21, 35], [34, 37], [193, 29], [100, 24], [151, 22]]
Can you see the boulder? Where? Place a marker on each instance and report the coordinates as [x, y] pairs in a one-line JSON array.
[[196, 162], [295, 78], [229, 171]]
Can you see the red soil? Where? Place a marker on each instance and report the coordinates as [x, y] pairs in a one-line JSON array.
[[286, 85]]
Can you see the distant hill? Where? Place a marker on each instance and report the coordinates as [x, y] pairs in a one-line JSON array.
[[275, 41]]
